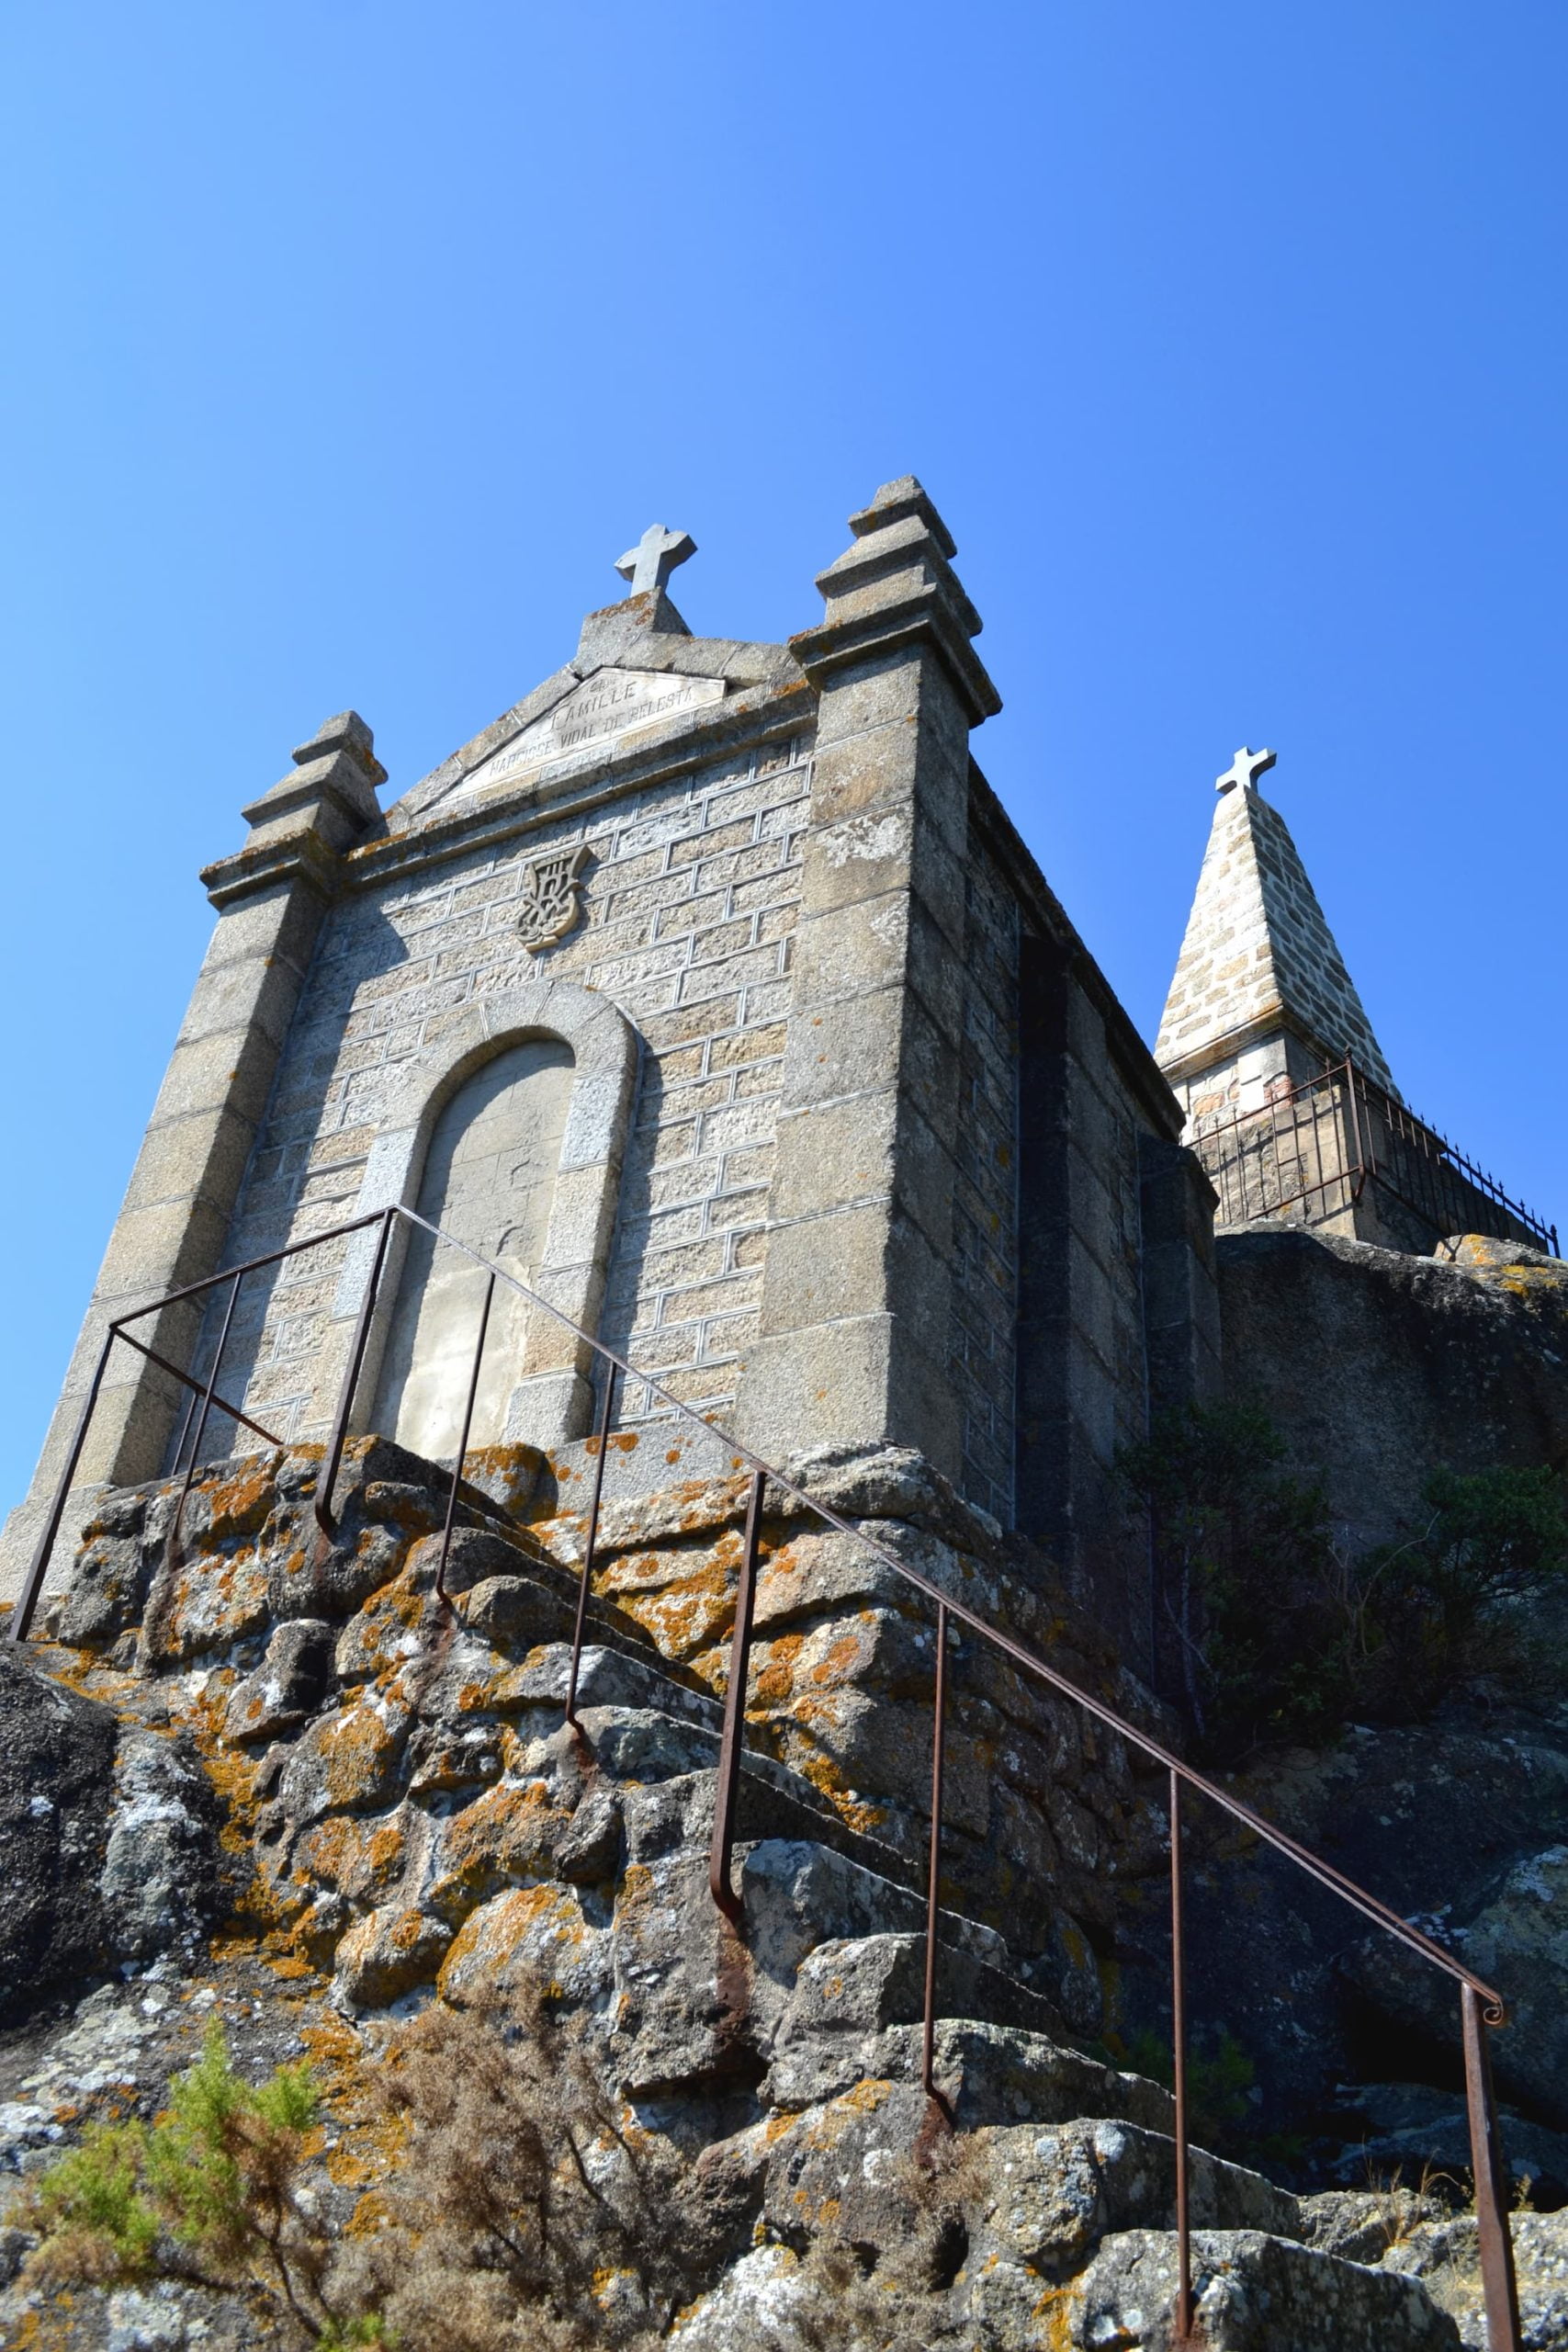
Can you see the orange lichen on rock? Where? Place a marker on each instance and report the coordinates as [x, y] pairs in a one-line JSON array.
[[352, 1754], [241, 1505], [533, 1934], [361, 1859], [507, 1833], [387, 1953], [211, 1601]]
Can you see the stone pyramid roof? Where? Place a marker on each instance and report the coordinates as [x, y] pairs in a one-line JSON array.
[[1258, 955]]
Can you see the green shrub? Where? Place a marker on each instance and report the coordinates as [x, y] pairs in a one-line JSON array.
[[1269, 1629], [209, 2193], [97, 2224], [1452, 1607], [1219, 2077]]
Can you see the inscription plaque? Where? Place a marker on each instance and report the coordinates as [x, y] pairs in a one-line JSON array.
[[610, 703]]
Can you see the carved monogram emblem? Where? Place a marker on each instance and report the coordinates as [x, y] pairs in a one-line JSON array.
[[552, 896]]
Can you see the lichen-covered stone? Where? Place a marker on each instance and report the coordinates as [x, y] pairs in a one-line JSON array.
[[1252, 2293], [533, 1936], [287, 1686], [162, 1880], [387, 1954], [425, 1823]]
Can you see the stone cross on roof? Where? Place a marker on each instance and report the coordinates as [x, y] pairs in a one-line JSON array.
[[1245, 769], [654, 557]]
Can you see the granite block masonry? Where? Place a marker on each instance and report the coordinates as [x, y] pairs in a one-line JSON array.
[[710, 992]]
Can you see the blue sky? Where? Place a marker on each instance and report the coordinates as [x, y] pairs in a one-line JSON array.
[[346, 346]]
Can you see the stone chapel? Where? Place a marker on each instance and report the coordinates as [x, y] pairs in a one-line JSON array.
[[711, 991]]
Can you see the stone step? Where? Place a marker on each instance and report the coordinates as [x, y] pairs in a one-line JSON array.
[[1055, 2231], [639, 1723], [1253, 2292]]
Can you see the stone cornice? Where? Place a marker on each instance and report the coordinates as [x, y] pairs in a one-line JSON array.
[[482, 824], [749, 667], [1272, 1021], [473, 827], [305, 858]]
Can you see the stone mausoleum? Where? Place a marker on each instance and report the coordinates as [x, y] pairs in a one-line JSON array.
[[711, 991], [710, 995]]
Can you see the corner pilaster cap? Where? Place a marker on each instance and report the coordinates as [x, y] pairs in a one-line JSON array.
[[896, 501], [893, 587], [302, 826], [332, 788], [345, 731]]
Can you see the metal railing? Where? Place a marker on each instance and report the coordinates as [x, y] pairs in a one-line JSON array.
[[1314, 1149], [1481, 2006]]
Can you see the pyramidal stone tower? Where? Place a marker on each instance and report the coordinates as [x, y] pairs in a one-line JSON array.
[[1261, 999], [1288, 1103]]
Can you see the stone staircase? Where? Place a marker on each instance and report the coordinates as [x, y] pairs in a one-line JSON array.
[[420, 1814]]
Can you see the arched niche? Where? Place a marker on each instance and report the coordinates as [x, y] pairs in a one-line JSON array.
[[507, 1133]]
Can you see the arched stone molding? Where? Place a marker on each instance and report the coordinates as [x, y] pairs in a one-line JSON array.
[[553, 1402]]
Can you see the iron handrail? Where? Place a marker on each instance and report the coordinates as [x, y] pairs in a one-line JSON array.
[[1482, 2006], [1336, 1880], [1344, 1084]]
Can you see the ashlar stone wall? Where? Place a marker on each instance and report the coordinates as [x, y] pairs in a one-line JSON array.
[[688, 903]]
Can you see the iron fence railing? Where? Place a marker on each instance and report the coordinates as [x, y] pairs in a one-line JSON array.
[[1481, 2006], [1314, 1149]]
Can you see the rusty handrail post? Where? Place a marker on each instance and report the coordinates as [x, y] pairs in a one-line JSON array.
[[1179, 2074], [1358, 1141], [171, 1548], [323, 1511], [729, 1787], [178, 1455], [1496, 2245], [38, 1567], [590, 1540], [463, 1442], [934, 1876]]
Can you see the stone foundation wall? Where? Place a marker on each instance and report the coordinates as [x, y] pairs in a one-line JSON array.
[[391, 1759], [1379, 1368]]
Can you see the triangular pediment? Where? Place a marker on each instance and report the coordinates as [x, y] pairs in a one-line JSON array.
[[591, 714]]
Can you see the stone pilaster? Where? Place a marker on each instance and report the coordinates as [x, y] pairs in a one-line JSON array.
[[1181, 1299], [174, 1221], [855, 1309]]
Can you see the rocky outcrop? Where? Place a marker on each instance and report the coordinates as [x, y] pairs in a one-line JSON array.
[[1047, 2237], [109, 1839], [413, 1819], [56, 1793], [1516, 1939], [1457, 1825], [1377, 1368]]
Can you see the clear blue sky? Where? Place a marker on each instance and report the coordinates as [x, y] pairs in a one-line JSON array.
[[347, 345]]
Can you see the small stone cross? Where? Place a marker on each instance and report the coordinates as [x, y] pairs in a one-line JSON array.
[[654, 557], [1245, 770]]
